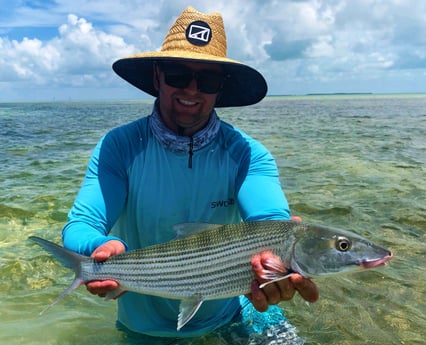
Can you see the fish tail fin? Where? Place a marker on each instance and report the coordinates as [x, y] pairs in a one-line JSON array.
[[68, 259], [65, 256], [74, 285]]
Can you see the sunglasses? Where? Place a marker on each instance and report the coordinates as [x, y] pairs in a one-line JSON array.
[[179, 77]]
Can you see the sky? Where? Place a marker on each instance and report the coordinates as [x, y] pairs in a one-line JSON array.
[[63, 50]]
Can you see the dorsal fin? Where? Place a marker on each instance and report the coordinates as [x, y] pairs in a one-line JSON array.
[[183, 230]]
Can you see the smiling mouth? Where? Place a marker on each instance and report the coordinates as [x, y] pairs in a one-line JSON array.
[[186, 102], [376, 262]]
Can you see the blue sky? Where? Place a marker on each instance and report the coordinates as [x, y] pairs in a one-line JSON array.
[[61, 50]]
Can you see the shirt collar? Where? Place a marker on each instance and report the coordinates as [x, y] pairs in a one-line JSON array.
[[181, 144]]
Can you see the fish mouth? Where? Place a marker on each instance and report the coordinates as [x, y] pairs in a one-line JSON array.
[[376, 262]]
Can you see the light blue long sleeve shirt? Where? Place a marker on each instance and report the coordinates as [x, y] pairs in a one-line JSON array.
[[136, 190]]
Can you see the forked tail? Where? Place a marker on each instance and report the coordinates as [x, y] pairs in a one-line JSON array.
[[67, 258]]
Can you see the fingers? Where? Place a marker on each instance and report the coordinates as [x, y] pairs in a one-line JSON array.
[[101, 288], [103, 252], [259, 267], [258, 297], [108, 249], [283, 290], [286, 289], [267, 266], [279, 291], [263, 264], [270, 294], [104, 287], [306, 288]]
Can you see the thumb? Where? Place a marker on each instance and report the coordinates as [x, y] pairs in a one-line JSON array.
[[267, 266]]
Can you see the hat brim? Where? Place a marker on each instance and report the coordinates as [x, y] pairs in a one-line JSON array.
[[244, 86]]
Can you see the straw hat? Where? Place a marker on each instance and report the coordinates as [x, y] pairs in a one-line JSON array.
[[197, 37]]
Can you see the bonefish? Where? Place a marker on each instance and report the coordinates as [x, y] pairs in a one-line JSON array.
[[214, 263]]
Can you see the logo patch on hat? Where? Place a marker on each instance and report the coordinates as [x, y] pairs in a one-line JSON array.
[[199, 33]]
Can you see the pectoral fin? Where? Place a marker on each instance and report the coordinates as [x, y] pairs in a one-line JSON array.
[[274, 271], [277, 279], [187, 309]]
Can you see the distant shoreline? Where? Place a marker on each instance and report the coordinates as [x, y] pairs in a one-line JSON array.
[[320, 94], [328, 94], [150, 99], [339, 94]]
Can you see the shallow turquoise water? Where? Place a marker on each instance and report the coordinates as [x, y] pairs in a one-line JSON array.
[[355, 162]]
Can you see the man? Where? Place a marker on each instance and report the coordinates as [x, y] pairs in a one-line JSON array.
[[173, 166]]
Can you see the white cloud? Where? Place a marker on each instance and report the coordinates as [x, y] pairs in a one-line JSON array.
[[298, 45], [323, 47], [80, 54]]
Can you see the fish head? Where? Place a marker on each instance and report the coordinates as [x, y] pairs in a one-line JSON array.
[[321, 251]]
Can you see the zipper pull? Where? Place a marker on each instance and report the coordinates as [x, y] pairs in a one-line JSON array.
[[191, 152]]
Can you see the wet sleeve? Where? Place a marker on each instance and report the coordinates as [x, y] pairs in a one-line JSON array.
[[260, 195], [99, 201]]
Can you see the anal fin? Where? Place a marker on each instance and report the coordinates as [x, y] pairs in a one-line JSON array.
[[114, 294], [187, 309]]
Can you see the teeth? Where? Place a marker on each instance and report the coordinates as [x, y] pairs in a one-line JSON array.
[[182, 101]]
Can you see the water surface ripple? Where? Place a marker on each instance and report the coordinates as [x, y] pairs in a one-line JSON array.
[[356, 162]]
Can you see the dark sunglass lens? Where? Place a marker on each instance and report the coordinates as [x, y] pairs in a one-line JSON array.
[[176, 75], [178, 80], [209, 82], [180, 77]]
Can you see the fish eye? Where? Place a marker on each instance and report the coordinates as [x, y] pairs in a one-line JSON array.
[[343, 244]]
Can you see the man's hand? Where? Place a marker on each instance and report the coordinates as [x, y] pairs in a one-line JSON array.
[[282, 290], [103, 252]]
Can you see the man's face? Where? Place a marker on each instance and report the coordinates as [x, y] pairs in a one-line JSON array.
[[185, 110]]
